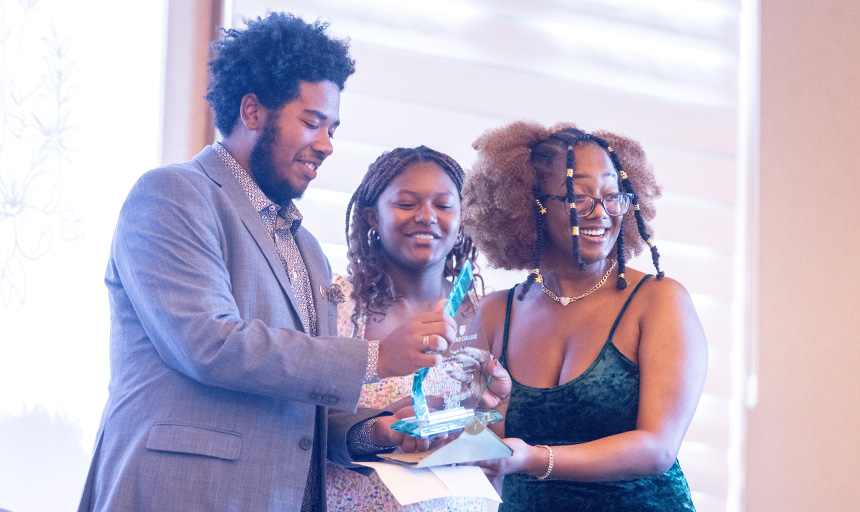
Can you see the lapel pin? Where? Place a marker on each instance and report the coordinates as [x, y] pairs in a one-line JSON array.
[[333, 293]]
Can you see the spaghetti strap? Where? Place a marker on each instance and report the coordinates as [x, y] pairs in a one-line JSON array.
[[503, 357], [627, 303]]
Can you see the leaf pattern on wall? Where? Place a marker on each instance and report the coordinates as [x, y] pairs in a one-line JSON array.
[[36, 142]]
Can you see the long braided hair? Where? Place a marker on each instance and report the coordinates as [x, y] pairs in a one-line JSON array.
[[372, 287], [571, 138]]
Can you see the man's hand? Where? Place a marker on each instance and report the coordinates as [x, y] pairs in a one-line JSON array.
[[414, 344]]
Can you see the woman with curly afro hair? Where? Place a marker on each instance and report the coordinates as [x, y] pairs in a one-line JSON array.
[[607, 363]]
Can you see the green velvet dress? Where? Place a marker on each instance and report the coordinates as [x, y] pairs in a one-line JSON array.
[[603, 401]]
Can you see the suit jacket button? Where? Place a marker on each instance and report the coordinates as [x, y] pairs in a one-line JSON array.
[[306, 443]]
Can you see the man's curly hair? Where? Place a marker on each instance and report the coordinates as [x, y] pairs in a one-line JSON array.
[[372, 288], [269, 58], [500, 207]]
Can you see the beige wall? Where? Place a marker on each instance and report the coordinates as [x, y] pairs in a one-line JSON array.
[[803, 448], [187, 119]]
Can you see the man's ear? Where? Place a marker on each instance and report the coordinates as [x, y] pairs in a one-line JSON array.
[[369, 213], [252, 113]]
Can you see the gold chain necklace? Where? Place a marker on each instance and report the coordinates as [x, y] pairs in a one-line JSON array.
[[564, 301]]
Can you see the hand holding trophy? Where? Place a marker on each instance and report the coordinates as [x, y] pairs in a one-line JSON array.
[[473, 369], [484, 383]]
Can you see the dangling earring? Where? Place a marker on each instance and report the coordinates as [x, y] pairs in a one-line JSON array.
[[372, 236]]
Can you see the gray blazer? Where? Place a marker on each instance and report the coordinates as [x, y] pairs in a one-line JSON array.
[[216, 394]]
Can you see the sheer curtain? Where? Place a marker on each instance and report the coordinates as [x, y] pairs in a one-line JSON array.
[[80, 104]]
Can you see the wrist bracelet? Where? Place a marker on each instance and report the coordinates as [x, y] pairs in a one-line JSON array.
[[549, 468], [371, 373]]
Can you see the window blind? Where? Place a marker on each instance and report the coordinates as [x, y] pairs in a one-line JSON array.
[[666, 73]]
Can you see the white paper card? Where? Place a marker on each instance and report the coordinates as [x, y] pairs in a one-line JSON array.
[[411, 485], [467, 481]]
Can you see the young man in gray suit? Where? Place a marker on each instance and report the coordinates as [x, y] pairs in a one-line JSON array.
[[228, 382]]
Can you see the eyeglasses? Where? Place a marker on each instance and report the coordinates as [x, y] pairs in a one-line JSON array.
[[614, 204]]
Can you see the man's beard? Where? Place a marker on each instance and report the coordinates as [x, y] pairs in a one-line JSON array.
[[263, 167]]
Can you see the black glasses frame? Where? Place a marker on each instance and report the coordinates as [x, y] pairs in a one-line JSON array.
[[594, 201]]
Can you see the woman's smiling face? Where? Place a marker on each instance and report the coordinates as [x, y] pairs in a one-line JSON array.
[[418, 216], [595, 176]]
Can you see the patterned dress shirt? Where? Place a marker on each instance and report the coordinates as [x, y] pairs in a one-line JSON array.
[[282, 223]]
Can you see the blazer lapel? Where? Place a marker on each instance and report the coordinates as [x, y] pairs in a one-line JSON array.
[[215, 168], [319, 275]]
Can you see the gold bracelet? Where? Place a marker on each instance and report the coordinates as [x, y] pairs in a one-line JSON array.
[[549, 468]]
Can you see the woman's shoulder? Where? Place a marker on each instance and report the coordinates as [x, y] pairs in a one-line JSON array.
[[656, 287], [491, 310], [665, 306], [667, 292], [489, 321], [497, 300]]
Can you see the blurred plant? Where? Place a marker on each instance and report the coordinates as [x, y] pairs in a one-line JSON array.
[[35, 137]]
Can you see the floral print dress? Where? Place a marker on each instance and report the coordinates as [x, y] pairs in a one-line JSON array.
[[349, 491]]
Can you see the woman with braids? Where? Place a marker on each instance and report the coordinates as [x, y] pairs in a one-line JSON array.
[[607, 363], [405, 250]]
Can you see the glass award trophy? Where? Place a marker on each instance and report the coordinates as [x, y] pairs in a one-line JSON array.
[[467, 369]]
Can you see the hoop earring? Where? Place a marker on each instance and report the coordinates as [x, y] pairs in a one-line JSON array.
[[461, 240], [372, 236]]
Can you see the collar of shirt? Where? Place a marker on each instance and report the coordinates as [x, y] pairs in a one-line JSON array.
[[260, 201]]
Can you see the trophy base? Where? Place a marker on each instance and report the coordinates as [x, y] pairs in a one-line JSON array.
[[444, 422]]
